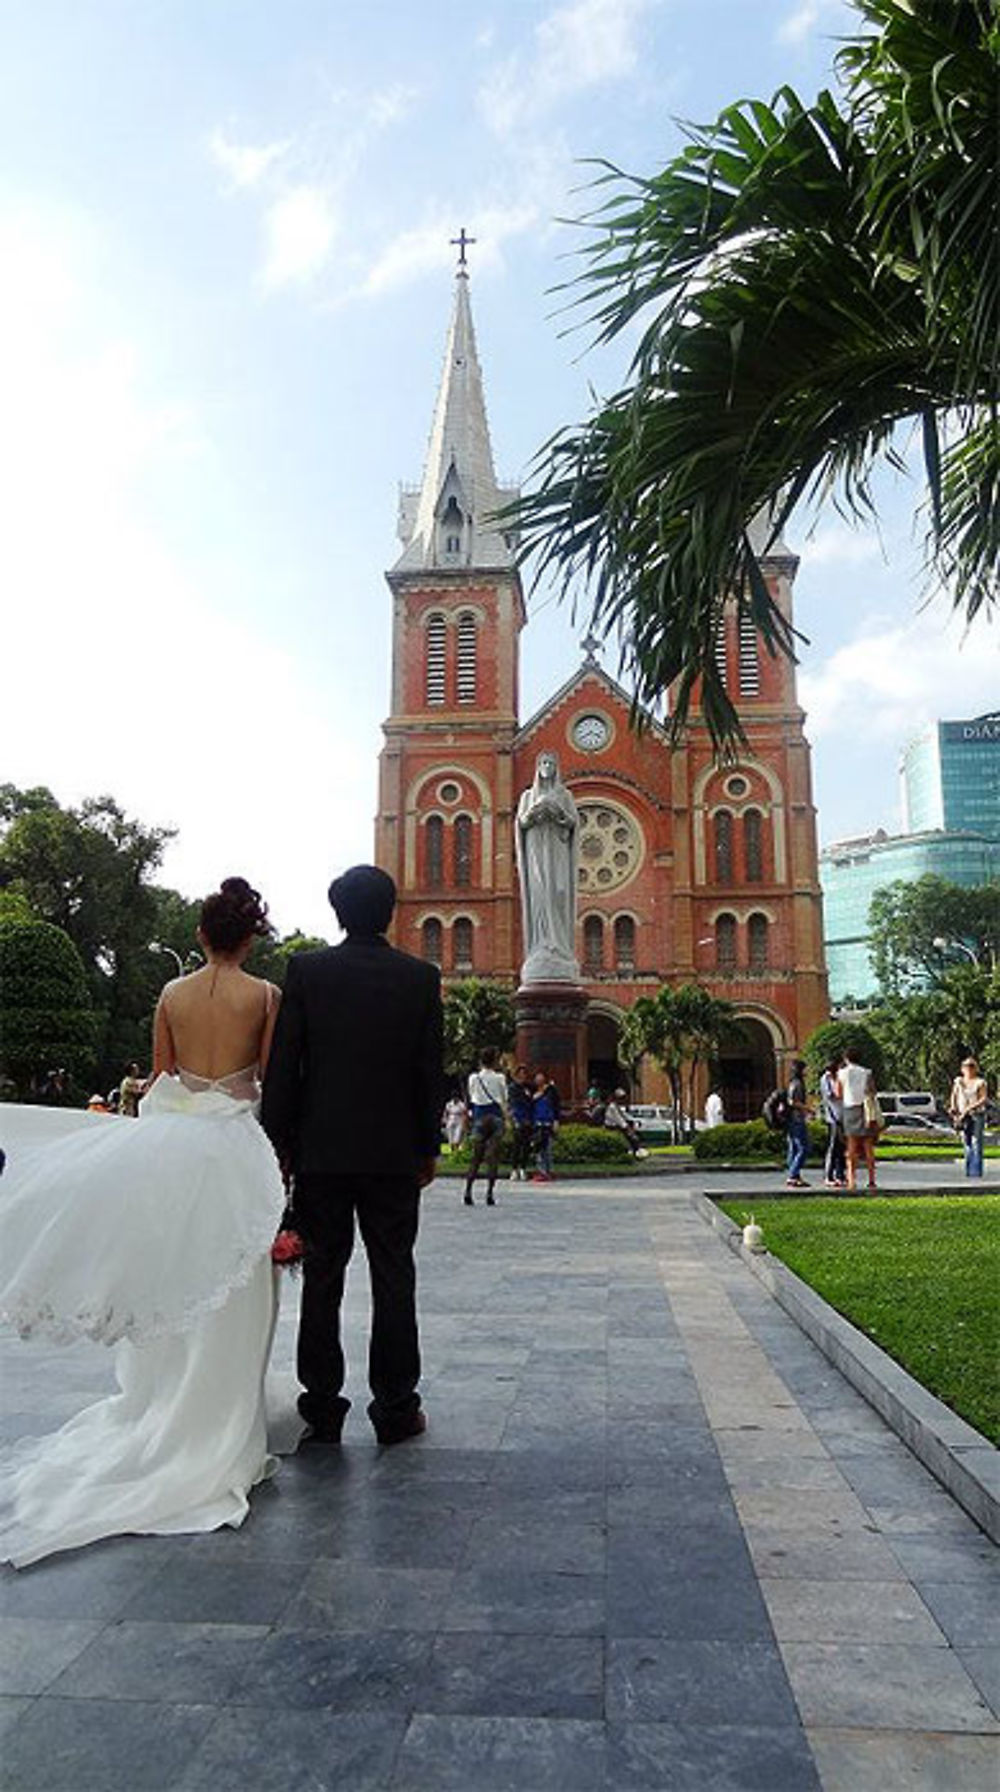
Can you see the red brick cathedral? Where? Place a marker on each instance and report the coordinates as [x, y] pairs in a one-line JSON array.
[[688, 870]]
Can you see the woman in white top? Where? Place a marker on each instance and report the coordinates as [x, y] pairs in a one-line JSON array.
[[967, 1107], [854, 1084], [154, 1239]]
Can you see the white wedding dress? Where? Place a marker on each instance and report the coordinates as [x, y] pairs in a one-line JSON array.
[[152, 1236]]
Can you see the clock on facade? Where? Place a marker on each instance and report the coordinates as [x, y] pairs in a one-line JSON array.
[[591, 733]]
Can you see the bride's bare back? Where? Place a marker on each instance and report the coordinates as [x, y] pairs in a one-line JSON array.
[[215, 1022]]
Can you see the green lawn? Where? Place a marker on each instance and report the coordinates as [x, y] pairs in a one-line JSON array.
[[919, 1274]]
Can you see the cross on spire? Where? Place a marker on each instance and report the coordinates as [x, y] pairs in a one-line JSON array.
[[590, 645], [461, 242]]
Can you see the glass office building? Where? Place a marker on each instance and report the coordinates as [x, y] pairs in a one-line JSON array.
[[950, 775], [852, 870]]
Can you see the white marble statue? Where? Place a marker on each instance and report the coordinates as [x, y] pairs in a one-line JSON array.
[[546, 834]]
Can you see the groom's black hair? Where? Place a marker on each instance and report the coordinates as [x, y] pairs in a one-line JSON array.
[[363, 899]]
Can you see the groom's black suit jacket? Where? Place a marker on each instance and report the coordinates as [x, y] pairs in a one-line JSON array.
[[354, 1081]]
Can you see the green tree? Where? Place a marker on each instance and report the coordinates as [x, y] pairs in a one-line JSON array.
[[478, 1013], [919, 930], [812, 279], [46, 1018], [680, 1029], [925, 1036], [269, 958], [829, 1040]]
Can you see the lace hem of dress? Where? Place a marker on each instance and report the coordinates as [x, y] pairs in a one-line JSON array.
[[31, 1316]]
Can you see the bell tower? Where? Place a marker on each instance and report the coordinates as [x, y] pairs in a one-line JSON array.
[[444, 828]]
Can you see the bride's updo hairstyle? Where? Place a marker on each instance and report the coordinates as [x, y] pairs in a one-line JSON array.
[[232, 914]]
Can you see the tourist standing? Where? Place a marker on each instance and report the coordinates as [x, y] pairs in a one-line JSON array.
[[520, 1107], [856, 1087], [714, 1111], [130, 1091], [488, 1107], [835, 1168], [798, 1125], [967, 1106], [545, 1121]]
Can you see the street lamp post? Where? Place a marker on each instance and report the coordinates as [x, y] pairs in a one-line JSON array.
[[943, 945], [183, 964]]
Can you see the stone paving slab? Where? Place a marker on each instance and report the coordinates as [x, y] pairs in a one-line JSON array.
[[651, 1539]]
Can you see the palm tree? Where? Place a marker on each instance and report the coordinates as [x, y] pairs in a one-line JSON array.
[[817, 276]]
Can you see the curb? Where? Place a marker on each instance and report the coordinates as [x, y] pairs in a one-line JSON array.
[[965, 1462]]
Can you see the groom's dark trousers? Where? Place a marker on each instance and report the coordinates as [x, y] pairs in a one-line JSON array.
[[352, 1103]]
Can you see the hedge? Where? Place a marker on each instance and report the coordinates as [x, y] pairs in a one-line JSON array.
[[751, 1139], [46, 1018], [571, 1145]]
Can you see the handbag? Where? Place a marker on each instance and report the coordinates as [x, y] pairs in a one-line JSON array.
[[874, 1117]]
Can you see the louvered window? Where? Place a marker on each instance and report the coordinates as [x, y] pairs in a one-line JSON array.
[[758, 931], [725, 942], [463, 851], [466, 659], [723, 847], [749, 658], [434, 859], [625, 943], [593, 943], [461, 943], [430, 941], [435, 658], [720, 647], [753, 846]]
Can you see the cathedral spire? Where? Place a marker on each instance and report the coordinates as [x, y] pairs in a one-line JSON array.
[[448, 522]]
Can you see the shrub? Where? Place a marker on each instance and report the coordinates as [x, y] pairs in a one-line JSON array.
[[749, 1140], [572, 1145], [829, 1040]]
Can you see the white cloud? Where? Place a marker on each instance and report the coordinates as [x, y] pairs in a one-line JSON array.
[[890, 679], [799, 25], [391, 105], [426, 248], [577, 47], [839, 546], [299, 228], [121, 673], [244, 163]]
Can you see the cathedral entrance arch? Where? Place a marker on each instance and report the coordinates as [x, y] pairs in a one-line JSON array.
[[603, 1069], [746, 1071]]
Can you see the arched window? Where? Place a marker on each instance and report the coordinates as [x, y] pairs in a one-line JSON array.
[[593, 944], [461, 943], [723, 847], [434, 656], [452, 525], [462, 832], [758, 929], [625, 943], [725, 942], [430, 941], [434, 852], [753, 846], [466, 658]]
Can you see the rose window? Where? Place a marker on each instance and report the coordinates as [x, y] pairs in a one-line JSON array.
[[610, 846]]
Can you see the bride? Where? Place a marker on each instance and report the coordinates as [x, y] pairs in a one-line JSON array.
[[153, 1237]]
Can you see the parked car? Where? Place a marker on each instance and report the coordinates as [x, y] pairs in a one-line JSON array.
[[909, 1101], [917, 1124], [655, 1121]]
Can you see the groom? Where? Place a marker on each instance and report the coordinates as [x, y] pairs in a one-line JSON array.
[[352, 1103]]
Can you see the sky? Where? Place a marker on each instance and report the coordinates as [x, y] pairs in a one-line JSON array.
[[225, 283]]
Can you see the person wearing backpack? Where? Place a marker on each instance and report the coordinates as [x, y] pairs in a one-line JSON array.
[[798, 1125]]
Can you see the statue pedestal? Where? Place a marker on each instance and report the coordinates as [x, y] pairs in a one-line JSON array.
[[552, 1036]]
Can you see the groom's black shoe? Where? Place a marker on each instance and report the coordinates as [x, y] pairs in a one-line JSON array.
[[396, 1429], [325, 1423]]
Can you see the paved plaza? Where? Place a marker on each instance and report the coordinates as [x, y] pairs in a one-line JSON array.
[[650, 1540]]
